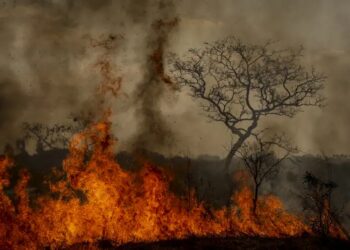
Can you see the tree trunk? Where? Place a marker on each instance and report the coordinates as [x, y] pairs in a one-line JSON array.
[[233, 151], [228, 161], [238, 144], [255, 198], [228, 178], [230, 156]]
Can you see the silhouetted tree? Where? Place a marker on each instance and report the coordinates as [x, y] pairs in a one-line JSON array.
[[318, 203], [317, 200], [262, 160], [48, 137], [239, 83]]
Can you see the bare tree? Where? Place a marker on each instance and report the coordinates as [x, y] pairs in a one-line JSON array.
[[262, 160], [49, 137], [318, 203], [240, 83]]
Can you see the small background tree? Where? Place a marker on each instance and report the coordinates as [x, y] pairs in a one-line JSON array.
[[262, 158], [48, 137], [53, 136], [317, 201]]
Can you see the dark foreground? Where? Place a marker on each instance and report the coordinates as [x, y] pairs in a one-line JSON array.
[[309, 243]]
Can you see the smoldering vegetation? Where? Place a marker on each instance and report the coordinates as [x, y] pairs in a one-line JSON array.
[[206, 176]]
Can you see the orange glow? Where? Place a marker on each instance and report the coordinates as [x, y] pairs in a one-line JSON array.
[[125, 207]]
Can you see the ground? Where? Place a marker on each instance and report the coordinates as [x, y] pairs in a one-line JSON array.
[[309, 243]]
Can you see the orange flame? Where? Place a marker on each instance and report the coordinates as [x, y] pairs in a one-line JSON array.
[[124, 207]]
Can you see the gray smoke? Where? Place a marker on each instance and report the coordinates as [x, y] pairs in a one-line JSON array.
[[153, 130], [47, 73], [48, 67]]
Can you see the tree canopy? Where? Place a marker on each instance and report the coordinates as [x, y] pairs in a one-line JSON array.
[[239, 83]]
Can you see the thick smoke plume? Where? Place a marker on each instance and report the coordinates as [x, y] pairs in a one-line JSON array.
[[153, 131], [50, 49]]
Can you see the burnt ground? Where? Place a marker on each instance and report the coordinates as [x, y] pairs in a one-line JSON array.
[[309, 243]]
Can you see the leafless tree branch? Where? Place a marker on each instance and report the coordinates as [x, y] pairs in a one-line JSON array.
[[239, 83], [262, 158]]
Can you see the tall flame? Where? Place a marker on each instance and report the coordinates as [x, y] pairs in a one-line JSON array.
[[120, 206]]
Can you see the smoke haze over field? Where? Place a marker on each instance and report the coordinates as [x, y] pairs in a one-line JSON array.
[[47, 64]]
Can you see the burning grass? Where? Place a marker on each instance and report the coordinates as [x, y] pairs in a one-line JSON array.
[[122, 207]]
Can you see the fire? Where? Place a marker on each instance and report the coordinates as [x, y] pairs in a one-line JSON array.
[[120, 206]]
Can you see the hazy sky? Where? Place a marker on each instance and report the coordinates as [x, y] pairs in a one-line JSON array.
[[47, 63]]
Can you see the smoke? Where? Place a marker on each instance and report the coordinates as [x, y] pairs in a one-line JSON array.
[[319, 26], [35, 75], [49, 70], [10, 107], [47, 65], [153, 130]]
